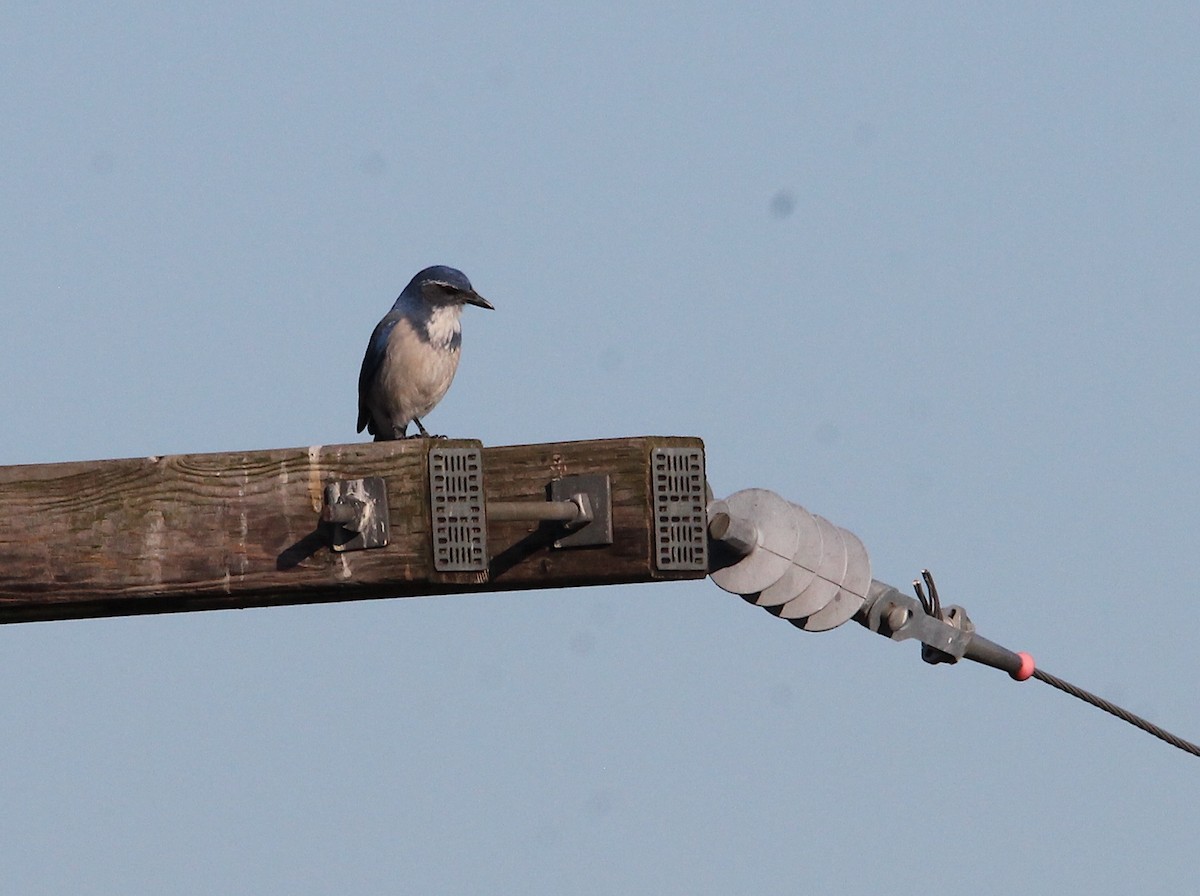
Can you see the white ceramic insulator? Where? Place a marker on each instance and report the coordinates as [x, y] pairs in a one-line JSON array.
[[830, 571], [775, 520], [803, 568], [852, 592]]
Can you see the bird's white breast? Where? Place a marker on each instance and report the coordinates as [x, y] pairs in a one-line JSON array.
[[444, 327]]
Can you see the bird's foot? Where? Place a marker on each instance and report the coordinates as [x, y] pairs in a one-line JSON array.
[[422, 432]]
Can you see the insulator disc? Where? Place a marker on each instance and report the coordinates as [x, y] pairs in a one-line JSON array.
[[830, 571], [778, 527], [852, 594], [803, 569], [858, 567]]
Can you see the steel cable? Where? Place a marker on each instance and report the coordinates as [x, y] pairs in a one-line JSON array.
[[1112, 708]]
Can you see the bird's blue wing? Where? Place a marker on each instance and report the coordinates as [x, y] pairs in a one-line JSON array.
[[372, 361]]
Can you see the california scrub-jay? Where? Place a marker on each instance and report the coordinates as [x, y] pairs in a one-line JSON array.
[[413, 353]]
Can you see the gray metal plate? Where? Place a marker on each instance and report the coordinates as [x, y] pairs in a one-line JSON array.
[[596, 486], [370, 528]]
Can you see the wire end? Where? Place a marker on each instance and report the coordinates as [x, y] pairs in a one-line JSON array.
[[1026, 669]]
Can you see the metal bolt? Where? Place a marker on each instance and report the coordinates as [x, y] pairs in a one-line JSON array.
[[739, 535], [347, 512], [896, 617]]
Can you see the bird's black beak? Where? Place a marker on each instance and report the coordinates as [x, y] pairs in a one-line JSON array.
[[474, 298]]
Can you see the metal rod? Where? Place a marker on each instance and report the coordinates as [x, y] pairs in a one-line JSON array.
[[547, 511], [345, 511]]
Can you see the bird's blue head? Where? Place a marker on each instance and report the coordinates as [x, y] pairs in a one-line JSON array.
[[442, 285]]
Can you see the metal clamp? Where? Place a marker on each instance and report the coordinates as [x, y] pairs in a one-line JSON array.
[[945, 638], [897, 616], [357, 513]]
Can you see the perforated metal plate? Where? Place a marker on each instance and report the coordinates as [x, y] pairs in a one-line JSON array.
[[456, 505], [678, 492]]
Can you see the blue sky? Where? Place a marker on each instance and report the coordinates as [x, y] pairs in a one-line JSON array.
[[930, 271]]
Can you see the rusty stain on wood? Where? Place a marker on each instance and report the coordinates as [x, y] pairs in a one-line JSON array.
[[241, 529]]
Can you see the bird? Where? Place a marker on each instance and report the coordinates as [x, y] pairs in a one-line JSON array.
[[413, 353]]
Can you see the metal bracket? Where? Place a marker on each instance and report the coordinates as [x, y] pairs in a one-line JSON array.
[[356, 511], [593, 493], [581, 504]]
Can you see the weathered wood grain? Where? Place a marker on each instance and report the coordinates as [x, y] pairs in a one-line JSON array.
[[210, 531]]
